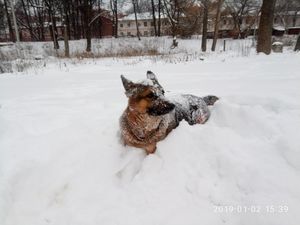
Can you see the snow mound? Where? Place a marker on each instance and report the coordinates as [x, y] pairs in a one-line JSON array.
[[61, 162]]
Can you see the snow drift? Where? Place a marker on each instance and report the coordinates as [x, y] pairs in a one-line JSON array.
[[61, 162]]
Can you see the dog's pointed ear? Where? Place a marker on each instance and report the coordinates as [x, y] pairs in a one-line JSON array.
[[151, 76], [128, 84]]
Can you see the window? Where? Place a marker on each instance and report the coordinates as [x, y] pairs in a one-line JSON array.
[[121, 24], [152, 24], [146, 33], [128, 33], [128, 24], [145, 24], [224, 22], [122, 34], [139, 24]]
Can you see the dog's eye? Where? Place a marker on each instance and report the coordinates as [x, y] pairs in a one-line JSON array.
[[151, 95]]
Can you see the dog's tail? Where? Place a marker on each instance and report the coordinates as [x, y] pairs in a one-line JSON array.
[[210, 99]]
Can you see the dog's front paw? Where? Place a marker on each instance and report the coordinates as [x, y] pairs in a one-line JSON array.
[[150, 149]]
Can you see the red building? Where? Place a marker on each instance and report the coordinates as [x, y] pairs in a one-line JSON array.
[[102, 26]]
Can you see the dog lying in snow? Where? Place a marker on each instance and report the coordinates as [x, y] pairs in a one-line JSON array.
[[150, 117]]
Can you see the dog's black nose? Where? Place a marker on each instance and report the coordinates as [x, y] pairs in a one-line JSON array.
[[171, 106], [161, 109]]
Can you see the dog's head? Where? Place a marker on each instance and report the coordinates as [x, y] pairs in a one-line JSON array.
[[147, 96]]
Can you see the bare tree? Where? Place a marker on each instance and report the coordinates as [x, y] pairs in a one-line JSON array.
[[114, 8], [191, 22], [153, 16], [66, 24], [26, 11], [15, 21], [134, 2], [264, 39], [11, 32], [172, 9], [159, 19], [52, 8], [286, 11], [42, 19], [217, 24], [183, 16], [87, 11], [205, 4], [40, 14], [243, 13], [297, 47], [2, 15]]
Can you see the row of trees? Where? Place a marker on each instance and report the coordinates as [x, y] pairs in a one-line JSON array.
[[186, 16], [41, 16], [81, 18]]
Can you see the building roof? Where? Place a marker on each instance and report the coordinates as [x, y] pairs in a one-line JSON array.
[[141, 16]]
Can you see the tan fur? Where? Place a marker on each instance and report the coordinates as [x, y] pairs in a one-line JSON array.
[[140, 129]]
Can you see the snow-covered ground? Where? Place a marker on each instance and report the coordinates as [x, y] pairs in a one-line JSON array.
[[61, 161], [27, 55]]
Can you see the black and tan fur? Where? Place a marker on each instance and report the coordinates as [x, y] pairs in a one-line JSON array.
[[150, 117]]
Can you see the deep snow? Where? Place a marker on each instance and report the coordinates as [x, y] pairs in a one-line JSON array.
[[61, 162]]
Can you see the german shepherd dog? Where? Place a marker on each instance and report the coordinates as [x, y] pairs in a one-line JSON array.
[[150, 117]]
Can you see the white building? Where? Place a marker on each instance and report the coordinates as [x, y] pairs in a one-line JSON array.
[[127, 25]]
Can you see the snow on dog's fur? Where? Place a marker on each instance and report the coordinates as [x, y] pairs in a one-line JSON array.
[[150, 117]]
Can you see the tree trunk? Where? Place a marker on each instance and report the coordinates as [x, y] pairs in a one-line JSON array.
[[73, 22], [204, 28], [32, 37], [99, 21], [116, 17], [66, 42], [217, 23], [11, 32], [264, 39], [52, 30], [136, 22], [172, 14], [154, 18], [159, 19], [15, 21], [87, 14], [78, 21], [40, 18], [67, 17], [297, 47], [66, 24]]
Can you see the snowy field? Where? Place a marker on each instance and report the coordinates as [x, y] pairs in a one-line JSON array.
[[61, 162], [37, 55]]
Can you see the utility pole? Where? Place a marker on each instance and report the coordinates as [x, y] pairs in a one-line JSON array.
[[15, 21]]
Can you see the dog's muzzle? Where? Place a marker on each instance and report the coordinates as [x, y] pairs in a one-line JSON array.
[[161, 108]]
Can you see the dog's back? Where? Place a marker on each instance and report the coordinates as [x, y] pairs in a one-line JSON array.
[[193, 109]]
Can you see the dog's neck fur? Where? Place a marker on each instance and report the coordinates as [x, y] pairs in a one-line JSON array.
[[142, 125], [144, 131]]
